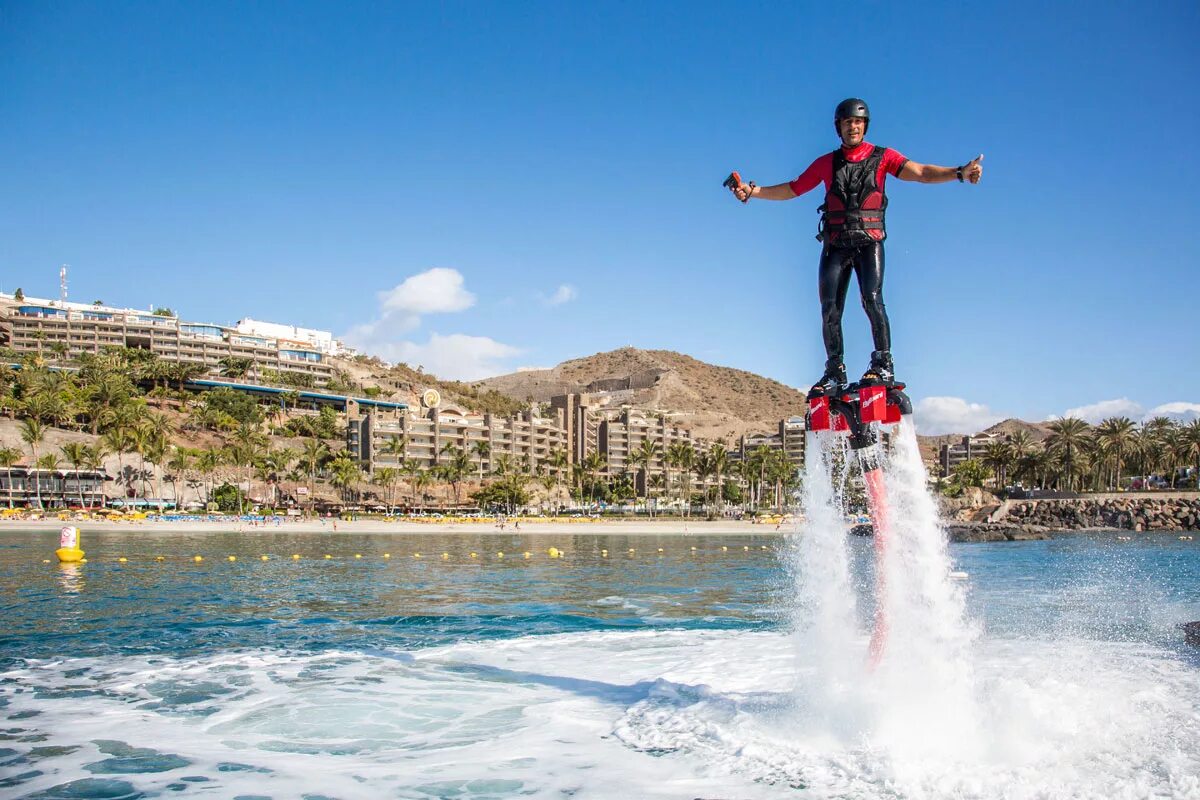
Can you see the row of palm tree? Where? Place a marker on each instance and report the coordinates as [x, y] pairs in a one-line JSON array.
[[1080, 456]]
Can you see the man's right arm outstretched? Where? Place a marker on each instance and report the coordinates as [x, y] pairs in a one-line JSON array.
[[807, 181], [780, 191]]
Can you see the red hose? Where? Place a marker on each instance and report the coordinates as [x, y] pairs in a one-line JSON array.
[[877, 499]]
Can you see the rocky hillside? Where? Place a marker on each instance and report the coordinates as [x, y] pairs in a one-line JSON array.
[[713, 401], [1037, 431], [403, 384]]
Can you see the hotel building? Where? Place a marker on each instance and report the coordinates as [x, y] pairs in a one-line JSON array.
[[968, 447], [577, 425], [788, 438], [37, 326]]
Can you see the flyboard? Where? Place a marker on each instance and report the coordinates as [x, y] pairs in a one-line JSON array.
[[860, 411]]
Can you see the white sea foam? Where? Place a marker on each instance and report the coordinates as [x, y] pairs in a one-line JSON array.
[[656, 714]]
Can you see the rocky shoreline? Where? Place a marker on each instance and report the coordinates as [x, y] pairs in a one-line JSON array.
[[1130, 514], [995, 532]]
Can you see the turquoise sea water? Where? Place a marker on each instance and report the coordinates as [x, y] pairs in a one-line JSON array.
[[640, 674]]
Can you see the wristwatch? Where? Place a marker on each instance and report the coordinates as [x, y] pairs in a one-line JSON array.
[[958, 173]]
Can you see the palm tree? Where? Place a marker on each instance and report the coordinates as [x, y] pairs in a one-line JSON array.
[[719, 460], [558, 462], [183, 371], [1115, 437], [998, 456], [458, 465], [387, 477], [9, 456], [483, 449], [313, 454], [179, 464], [682, 455], [395, 446], [117, 440], [646, 454], [76, 453], [1068, 437], [421, 478], [94, 461], [32, 433], [549, 482], [234, 367], [592, 464], [1191, 436], [48, 463], [503, 465], [244, 453], [1155, 433], [345, 475], [207, 463]]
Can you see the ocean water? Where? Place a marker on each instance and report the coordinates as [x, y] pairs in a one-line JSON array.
[[675, 674]]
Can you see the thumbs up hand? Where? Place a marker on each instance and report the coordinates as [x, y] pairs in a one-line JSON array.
[[973, 169]]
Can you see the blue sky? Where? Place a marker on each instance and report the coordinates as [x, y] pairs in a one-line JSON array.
[[478, 187]]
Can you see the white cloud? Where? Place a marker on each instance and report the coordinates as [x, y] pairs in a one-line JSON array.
[[435, 291], [1180, 411], [935, 416], [1093, 413], [456, 356], [563, 294]]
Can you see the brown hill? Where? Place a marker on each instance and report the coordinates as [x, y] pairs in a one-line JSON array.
[[713, 401], [1036, 430]]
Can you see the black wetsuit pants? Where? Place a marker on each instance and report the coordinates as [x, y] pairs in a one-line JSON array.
[[834, 279]]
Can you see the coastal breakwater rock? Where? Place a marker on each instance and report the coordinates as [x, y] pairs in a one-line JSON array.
[[995, 532], [1131, 514]]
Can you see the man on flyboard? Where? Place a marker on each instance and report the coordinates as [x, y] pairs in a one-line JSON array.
[[852, 232]]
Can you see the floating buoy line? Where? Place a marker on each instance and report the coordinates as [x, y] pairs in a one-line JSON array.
[[70, 553]]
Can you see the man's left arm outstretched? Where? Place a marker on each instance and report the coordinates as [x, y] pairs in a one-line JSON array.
[[970, 172]]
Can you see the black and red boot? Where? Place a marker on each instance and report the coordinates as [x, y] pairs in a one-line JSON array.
[[881, 372], [833, 382]]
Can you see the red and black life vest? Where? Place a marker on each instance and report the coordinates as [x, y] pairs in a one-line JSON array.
[[852, 214]]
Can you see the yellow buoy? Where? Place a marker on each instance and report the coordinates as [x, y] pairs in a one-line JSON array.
[[295, 556], [263, 558], [473, 555], [122, 560], [69, 551], [387, 555], [631, 551], [445, 556], [527, 554], [500, 555], [160, 558], [197, 559], [604, 553], [553, 552], [416, 555], [233, 558], [358, 555], [327, 556]]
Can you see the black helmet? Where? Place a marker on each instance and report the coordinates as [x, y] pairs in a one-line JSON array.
[[850, 108]]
